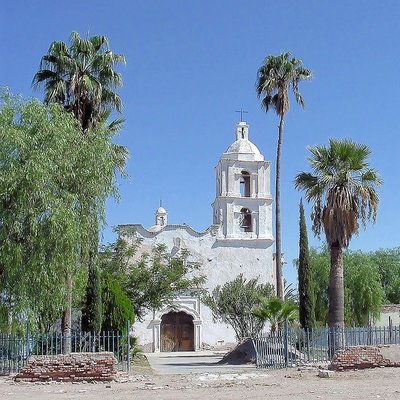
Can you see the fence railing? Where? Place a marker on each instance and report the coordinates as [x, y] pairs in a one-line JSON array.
[[289, 346], [16, 349]]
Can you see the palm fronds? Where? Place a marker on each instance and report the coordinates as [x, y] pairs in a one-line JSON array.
[[275, 77], [81, 77], [343, 188]]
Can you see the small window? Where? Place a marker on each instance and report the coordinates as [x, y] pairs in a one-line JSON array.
[[245, 220], [245, 184]]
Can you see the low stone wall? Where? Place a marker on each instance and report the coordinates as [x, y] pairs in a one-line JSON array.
[[72, 367], [361, 357]]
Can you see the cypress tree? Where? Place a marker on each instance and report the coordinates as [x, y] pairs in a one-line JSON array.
[[306, 303], [118, 308], [92, 313]]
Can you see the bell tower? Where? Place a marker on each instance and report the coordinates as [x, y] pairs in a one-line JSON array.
[[161, 216], [243, 202]]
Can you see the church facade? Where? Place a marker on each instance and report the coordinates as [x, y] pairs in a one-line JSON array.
[[239, 241]]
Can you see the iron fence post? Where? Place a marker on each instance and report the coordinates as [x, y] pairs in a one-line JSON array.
[[286, 343], [253, 340], [129, 347], [26, 344]]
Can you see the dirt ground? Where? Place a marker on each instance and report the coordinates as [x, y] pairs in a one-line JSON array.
[[381, 383]]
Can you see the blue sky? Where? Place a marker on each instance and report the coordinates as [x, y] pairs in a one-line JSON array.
[[191, 64]]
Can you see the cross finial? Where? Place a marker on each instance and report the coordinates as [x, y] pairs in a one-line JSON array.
[[241, 111], [160, 202]]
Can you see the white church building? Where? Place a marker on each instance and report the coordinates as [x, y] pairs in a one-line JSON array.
[[239, 241]]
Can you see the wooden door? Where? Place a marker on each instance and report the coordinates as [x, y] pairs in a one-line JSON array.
[[177, 332]]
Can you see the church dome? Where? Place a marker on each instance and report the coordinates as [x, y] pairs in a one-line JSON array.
[[161, 210], [242, 148]]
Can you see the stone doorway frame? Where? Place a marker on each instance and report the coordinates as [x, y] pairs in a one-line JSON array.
[[155, 325]]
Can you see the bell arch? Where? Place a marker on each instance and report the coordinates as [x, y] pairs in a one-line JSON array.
[[245, 184], [246, 224]]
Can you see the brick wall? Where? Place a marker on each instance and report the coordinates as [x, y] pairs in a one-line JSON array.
[[72, 367], [361, 357]]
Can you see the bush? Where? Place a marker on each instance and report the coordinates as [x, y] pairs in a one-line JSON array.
[[233, 303]]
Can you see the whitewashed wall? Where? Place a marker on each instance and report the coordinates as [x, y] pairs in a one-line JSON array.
[[221, 261]]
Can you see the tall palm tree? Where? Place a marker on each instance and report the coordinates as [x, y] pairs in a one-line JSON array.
[[81, 77], [342, 187], [275, 78]]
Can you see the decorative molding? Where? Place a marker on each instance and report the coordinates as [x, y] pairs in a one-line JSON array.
[[141, 230], [177, 308]]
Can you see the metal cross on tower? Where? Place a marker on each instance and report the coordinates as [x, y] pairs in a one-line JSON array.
[[241, 111]]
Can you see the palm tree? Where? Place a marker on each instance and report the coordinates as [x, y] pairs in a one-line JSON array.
[[276, 311], [342, 187], [81, 77], [275, 77]]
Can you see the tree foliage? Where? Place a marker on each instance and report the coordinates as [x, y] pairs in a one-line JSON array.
[[53, 180], [92, 312], [118, 309], [276, 311], [387, 262], [319, 263], [342, 188], [233, 303], [276, 77], [306, 298], [150, 279], [81, 77], [363, 290], [290, 292]]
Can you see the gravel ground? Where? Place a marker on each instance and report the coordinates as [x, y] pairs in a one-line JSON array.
[[381, 383]]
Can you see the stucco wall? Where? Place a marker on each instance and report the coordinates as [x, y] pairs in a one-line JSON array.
[[390, 312], [221, 261]]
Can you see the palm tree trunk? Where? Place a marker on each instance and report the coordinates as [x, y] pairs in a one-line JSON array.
[[278, 247], [336, 300], [66, 320], [336, 289]]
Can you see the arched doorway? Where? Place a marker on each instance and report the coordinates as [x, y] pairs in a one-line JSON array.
[[177, 332]]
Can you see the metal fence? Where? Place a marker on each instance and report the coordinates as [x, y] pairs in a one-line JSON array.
[[292, 347], [16, 349]]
